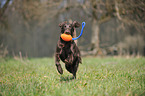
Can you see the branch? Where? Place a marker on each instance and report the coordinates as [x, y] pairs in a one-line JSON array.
[[117, 11], [2, 10], [68, 7], [104, 19], [125, 20], [85, 10]]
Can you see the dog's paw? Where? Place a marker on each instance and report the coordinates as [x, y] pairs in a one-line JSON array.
[[59, 68]]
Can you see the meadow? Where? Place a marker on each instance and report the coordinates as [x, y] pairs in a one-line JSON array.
[[108, 76]]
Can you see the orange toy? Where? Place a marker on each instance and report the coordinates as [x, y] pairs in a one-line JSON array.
[[66, 37]]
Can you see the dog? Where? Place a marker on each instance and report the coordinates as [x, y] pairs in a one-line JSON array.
[[67, 51]]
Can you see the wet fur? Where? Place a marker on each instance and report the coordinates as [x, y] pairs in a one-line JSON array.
[[68, 52]]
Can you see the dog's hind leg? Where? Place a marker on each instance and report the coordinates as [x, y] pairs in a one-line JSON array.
[[72, 68], [75, 68], [69, 68]]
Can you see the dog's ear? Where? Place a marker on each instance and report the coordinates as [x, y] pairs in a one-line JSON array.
[[76, 24], [61, 24]]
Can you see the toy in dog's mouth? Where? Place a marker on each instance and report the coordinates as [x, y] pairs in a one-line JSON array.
[[68, 37]]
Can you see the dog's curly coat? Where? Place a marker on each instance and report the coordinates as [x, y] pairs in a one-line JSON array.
[[68, 52]]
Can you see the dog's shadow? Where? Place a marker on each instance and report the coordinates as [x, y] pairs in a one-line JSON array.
[[66, 79]]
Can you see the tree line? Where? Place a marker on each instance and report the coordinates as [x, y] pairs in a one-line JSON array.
[[113, 27]]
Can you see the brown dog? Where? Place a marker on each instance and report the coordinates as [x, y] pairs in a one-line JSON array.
[[67, 51]]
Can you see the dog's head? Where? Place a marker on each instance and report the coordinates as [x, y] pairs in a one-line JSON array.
[[69, 28]]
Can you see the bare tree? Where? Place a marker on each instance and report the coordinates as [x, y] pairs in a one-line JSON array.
[[129, 12], [26, 19], [100, 11], [32, 16]]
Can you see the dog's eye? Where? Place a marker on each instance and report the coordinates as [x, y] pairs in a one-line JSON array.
[[69, 26], [64, 26]]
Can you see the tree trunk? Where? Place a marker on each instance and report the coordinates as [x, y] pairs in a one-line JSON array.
[[95, 41]]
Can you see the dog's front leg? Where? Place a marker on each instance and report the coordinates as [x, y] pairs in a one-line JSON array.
[[57, 61], [70, 58]]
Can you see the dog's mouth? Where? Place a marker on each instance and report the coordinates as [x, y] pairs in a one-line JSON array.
[[68, 33]]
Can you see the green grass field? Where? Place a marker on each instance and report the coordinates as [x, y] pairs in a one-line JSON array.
[[107, 76]]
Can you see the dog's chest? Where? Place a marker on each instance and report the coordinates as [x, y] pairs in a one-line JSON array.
[[66, 50]]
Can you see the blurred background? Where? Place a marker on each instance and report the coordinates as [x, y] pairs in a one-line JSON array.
[[113, 27]]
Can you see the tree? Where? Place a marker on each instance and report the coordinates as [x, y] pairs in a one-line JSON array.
[[100, 11], [129, 12], [3, 24], [28, 21]]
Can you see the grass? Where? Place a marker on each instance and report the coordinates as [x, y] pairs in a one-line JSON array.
[[96, 77]]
